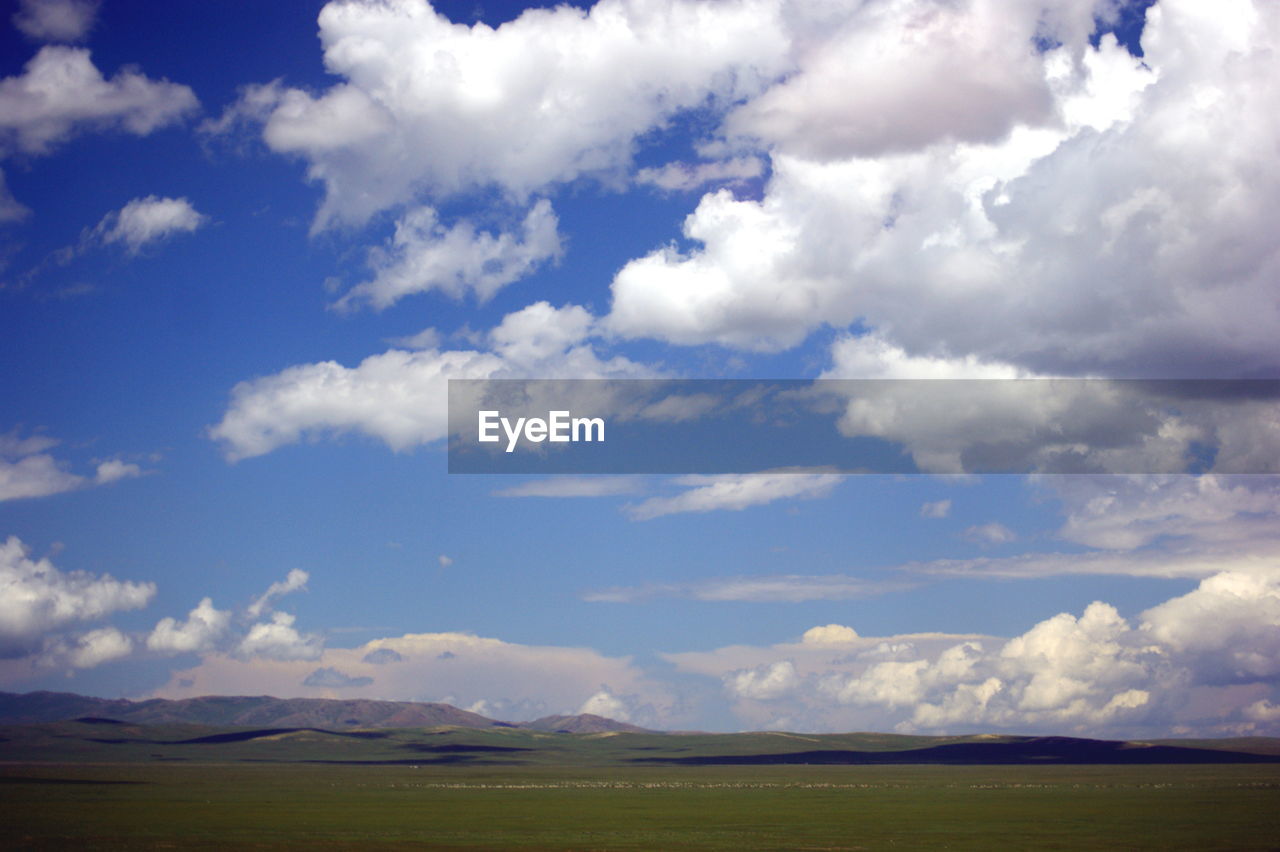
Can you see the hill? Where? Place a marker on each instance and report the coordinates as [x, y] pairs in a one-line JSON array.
[[583, 723], [226, 711]]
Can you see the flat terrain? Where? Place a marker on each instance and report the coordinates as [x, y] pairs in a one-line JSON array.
[[763, 807], [103, 785]]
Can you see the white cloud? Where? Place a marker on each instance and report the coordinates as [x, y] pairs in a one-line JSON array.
[[1230, 623], [871, 356], [424, 255], [11, 446], [1163, 563], [428, 338], [763, 682], [573, 486], [991, 533], [1124, 513], [1263, 711], [62, 93], [962, 208], [734, 492], [204, 628], [427, 105], [147, 220], [98, 646], [37, 475], [445, 561], [56, 20], [114, 470], [400, 397], [1183, 526], [277, 639], [255, 631], [683, 177], [605, 703], [27, 471], [829, 634], [1052, 425], [36, 598], [935, 509], [10, 209], [295, 580], [899, 76], [790, 588], [1205, 662]]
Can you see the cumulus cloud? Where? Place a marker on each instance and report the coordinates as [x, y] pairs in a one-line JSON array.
[[428, 105], [829, 634], [763, 682], [399, 396], [92, 648], [1042, 171], [1057, 425], [148, 220], [872, 356], [39, 599], [424, 255], [35, 475], [734, 492], [255, 631], [278, 639], [202, 631], [114, 470], [605, 703], [56, 20], [61, 93], [1205, 662], [1230, 625]]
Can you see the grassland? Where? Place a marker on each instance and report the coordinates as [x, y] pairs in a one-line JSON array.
[[80, 786]]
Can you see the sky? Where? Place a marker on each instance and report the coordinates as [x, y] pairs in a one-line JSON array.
[[245, 245]]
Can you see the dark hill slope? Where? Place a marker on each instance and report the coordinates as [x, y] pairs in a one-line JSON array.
[[219, 710]]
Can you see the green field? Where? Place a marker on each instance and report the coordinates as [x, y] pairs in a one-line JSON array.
[[86, 786], [792, 808]]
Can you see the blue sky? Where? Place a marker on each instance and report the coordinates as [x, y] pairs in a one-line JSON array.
[[244, 246]]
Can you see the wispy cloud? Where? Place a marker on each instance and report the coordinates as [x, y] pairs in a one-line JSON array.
[[788, 588], [992, 533], [734, 492], [28, 470], [573, 486]]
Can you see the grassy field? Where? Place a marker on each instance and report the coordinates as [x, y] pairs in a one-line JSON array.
[[97, 785], [267, 806]]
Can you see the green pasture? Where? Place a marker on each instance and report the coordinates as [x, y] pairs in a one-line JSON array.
[[274, 806]]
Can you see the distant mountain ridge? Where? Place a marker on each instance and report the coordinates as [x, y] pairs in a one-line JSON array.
[[265, 711], [583, 723]]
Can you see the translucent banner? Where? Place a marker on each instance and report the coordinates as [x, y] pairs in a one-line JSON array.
[[979, 426]]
